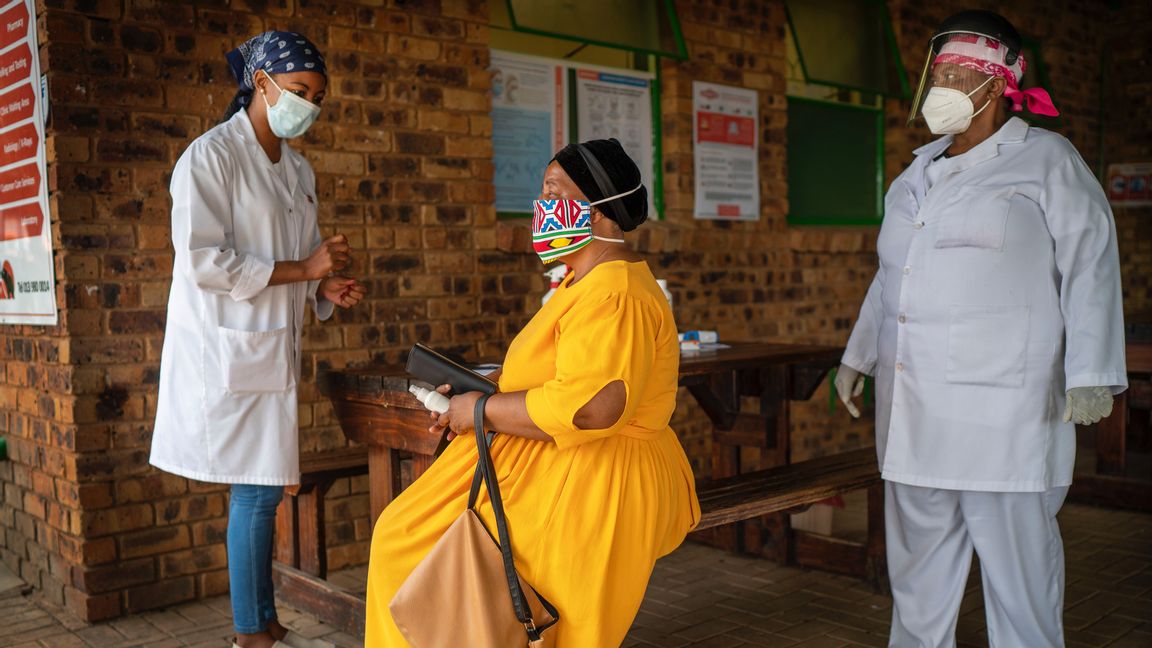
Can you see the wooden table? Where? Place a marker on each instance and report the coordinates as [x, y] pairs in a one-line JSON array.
[[1112, 484], [374, 408], [773, 374]]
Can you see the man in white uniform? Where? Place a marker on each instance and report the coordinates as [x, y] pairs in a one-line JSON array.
[[993, 325]]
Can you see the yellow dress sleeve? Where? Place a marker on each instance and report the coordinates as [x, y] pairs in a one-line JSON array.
[[596, 344]]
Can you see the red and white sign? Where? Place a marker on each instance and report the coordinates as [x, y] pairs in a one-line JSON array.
[[27, 282], [15, 65], [20, 222], [17, 105], [21, 143], [14, 24], [1128, 184], [725, 129], [725, 152]]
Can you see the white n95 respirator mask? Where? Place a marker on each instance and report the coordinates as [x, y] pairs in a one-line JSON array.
[[949, 111]]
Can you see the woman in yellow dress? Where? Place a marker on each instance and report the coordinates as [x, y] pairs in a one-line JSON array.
[[595, 483]]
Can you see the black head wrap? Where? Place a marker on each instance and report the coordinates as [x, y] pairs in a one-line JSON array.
[[601, 168]]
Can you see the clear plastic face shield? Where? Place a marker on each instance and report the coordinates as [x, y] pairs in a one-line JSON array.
[[976, 84]]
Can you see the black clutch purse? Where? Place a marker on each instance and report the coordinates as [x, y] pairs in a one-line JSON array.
[[434, 369]]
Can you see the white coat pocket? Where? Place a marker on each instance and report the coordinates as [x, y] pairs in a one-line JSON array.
[[979, 220], [256, 361], [987, 345]]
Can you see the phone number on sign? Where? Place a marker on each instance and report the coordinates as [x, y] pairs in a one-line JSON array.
[[33, 286]]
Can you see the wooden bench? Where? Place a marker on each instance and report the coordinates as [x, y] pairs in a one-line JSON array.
[[796, 486], [751, 495], [300, 541]]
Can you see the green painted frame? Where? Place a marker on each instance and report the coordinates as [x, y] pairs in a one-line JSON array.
[[833, 219], [681, 52], [893, 50]]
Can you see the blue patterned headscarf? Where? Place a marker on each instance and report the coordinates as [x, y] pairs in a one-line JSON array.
[[275, 52]]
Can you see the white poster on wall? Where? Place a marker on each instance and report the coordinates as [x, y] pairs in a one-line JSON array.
[[725, 152], [529, 124], [618, 105], [27, 282]]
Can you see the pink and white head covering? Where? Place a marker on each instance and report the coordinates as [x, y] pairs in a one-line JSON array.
[[989, 56]]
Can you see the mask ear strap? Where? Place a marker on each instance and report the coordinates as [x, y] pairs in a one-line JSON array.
[[604, 183]]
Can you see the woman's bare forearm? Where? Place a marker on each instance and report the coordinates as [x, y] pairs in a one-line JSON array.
[[508, 414]]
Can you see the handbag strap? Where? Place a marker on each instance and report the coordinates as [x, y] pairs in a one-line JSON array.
[[486, 469]]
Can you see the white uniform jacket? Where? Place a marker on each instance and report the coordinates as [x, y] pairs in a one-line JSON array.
[[998, 290], [231, 360]]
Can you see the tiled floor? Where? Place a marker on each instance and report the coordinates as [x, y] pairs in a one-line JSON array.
[[703, 597]]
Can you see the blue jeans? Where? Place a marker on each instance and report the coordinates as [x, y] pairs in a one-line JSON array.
[[251, 518]]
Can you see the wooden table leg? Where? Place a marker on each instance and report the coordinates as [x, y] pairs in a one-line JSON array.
[[310, 524], [771, 535], [877, 561], [383, 474], [1111, 438], [287, 534], [420, 464]]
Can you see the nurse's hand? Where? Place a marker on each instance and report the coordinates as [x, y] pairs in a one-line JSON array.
[[849, 384], [332, 255], [342, 291], [1087, 405]]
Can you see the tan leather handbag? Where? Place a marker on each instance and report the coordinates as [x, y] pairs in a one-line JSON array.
[[466, 591]]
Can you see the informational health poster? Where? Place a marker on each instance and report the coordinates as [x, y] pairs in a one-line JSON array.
[[529, 124], [1129, 184], [618, 105], [27, 284], [725, 149]]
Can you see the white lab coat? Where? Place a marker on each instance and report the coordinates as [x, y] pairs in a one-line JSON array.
[[227, 401], [998, 290]]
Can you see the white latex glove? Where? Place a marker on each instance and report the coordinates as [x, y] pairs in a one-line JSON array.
[[1086, 405], [849, 384]]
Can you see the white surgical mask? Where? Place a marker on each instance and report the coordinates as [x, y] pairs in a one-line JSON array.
[[949, 111], [292, 116]]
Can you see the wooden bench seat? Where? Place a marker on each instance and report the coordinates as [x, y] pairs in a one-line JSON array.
[[722, 501], [787, 487], [300, 540], [793, 487]]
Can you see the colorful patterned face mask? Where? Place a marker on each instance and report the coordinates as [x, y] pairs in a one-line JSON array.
[[560, 227]]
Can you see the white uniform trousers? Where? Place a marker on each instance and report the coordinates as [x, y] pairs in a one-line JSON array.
[[931, 533]]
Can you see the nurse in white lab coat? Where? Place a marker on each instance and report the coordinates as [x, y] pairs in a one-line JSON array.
[[993, 324], [249, 259]]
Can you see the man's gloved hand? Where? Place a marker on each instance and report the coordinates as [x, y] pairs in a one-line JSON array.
[[849, 384], [1086, 405]]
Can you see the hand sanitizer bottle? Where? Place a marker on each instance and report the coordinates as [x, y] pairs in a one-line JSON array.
[[663, 283], [433, 401], [555, 276]]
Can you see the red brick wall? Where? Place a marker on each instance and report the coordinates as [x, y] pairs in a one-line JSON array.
[[403, 162], [1127, 102]]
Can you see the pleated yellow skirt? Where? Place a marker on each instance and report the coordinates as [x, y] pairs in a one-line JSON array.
[[587, 525]]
